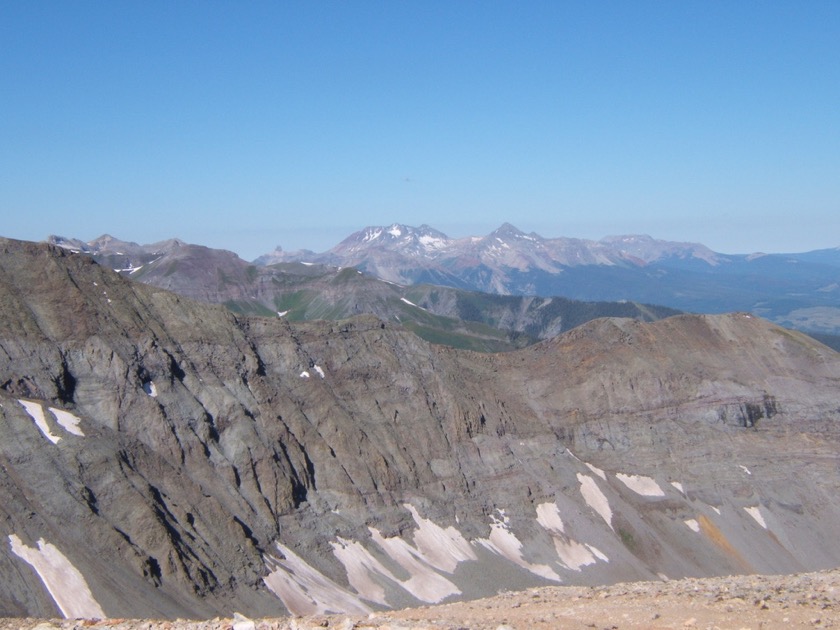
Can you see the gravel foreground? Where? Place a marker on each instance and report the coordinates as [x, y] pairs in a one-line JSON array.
[[809, 600]]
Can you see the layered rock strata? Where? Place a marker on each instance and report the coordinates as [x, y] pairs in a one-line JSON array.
[[165, 458]]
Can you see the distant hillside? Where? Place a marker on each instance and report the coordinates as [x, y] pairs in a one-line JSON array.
[[832, 341], [305, 291]]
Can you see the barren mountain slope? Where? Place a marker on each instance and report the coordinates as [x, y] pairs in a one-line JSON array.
[[178, 460]]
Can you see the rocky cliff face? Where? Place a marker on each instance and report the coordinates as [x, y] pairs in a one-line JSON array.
[[162, 457]]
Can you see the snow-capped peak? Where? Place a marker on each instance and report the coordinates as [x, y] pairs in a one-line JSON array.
[[507, 230], [397, 237]]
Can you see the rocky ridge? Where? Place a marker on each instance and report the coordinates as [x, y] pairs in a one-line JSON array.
[[179, 460]]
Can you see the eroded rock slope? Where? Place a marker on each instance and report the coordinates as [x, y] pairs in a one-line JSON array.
[[163, 458]]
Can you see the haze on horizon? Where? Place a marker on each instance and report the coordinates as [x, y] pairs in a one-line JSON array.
[[245, 126]]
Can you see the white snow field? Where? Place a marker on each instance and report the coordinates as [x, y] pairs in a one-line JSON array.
[[65, 584]]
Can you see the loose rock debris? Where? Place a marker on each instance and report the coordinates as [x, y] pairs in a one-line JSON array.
[[807, 600]]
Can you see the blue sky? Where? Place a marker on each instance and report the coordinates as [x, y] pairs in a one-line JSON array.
[[245, 125]]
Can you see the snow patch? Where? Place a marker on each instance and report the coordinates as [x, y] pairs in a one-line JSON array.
[[130, 269], [68, 421], [575, 556], [693, 525], [306, 591], [432, 242], [755, 512], [644, 486], [36, 412], [435, 548], [505, 543], [425, 583], [282, 313], [548, 515], [319, 371], [597, 471], [678, 486], [413, 304], [395, 231], [598, 553], [409, 302], [443, 548], [361, 568], [304, 374], [65, 584], [595, 498], [745, 469], [150, 388]]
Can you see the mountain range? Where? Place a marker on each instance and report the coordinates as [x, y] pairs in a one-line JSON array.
[[796, 290], [305, 291], [164, 457]]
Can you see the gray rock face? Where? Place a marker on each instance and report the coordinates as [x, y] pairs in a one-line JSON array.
[[174, 459]]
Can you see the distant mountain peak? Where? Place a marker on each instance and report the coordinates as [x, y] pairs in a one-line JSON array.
[[648, 249], [628, 238], [397, 230], [71, 244], [395, 237], [507, 230], [510, 231]]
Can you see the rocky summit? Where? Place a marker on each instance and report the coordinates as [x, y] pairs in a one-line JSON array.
[[167, 458]]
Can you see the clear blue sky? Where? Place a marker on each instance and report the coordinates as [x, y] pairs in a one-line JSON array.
[[250, 124]]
